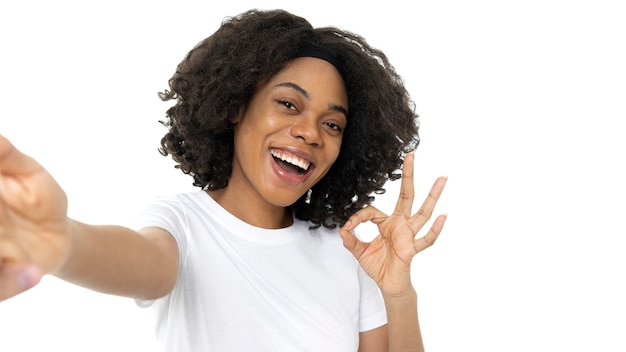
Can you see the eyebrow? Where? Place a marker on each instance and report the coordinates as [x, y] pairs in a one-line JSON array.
[[307, 95]]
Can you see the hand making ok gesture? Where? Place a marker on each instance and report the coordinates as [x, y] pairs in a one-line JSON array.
[[387, 258]]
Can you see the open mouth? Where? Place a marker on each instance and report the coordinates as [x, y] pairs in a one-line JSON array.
[[292, 164]]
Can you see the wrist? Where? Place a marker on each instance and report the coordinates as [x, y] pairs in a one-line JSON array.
[[65, 246], [406, 294]]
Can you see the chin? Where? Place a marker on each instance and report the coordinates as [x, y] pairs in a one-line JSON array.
[[282, 201]]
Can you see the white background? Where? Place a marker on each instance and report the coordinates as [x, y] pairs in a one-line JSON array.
[[522, 105]]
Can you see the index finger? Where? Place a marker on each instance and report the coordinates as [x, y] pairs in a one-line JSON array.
[[407, 189]]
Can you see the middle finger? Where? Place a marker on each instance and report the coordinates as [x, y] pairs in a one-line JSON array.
[[407, 190]]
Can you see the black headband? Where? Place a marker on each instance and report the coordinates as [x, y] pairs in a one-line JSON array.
[[321, 53]]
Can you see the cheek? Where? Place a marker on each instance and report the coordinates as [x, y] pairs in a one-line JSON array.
[[337, 150], [262, 123], [333, 154], [244, 143], [247, 129]]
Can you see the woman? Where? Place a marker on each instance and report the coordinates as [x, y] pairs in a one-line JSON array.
[[287, 130]]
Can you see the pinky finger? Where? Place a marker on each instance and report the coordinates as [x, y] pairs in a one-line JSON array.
[[431, 236]]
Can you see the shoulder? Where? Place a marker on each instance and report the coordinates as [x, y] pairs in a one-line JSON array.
[[175, 203]]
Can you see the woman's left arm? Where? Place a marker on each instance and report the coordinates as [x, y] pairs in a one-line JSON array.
[[387, 259]]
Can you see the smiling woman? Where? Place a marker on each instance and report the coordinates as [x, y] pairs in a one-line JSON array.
[[216, 82], [295, 117], [521, 103], [283, 141]]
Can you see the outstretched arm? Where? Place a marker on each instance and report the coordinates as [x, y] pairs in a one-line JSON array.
[[37, 238], [387, 259]]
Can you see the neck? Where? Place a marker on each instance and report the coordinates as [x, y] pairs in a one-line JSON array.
[[273, 217]]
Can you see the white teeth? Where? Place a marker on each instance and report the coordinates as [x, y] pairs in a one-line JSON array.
[[291, 159]]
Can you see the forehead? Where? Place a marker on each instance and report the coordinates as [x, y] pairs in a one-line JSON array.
[[309, 63], [317, 76]]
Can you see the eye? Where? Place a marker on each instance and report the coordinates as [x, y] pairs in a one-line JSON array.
[[287, 104], [333, 126]]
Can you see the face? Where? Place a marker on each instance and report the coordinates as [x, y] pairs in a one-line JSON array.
[[291, 133]]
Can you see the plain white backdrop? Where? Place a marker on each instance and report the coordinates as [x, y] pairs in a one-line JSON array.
[[522, 105]]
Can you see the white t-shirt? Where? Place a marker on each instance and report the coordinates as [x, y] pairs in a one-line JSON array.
[[244, 288]]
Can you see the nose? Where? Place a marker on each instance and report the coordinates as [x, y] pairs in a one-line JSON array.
[[307, 128]]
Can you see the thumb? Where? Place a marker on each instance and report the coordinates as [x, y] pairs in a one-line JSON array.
[[15, 279], [352, 243]]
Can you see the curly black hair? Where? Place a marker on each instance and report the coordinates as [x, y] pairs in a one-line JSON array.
[[217, 79]]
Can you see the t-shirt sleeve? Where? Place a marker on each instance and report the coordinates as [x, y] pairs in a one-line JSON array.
[[168, 214], [372, 309]]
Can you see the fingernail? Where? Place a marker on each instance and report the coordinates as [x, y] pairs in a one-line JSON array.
[[28, 277]]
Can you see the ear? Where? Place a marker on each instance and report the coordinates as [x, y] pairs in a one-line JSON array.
[[235, 120]]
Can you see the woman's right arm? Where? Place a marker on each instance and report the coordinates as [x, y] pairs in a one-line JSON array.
[[37, 238], [120, 261]]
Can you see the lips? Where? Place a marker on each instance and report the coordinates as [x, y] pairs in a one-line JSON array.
[[291, 163]]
